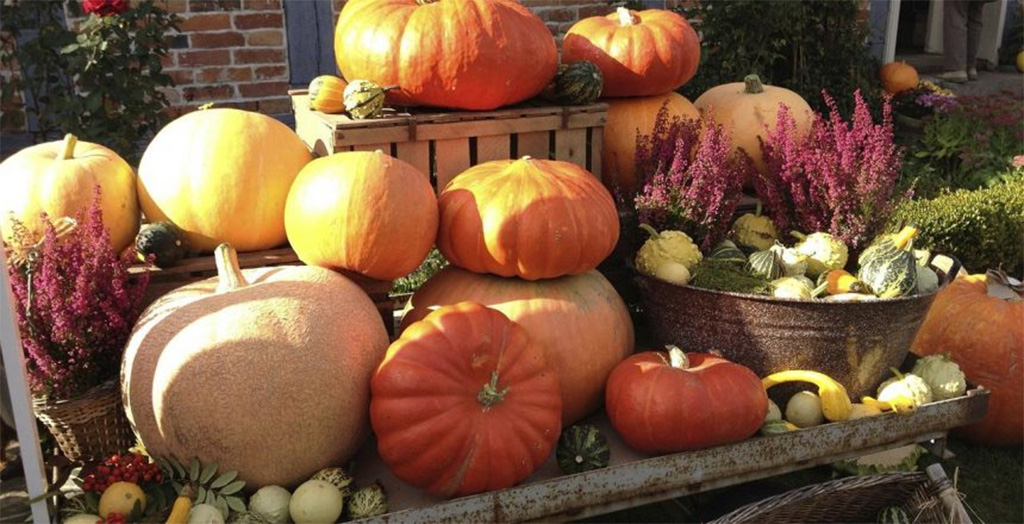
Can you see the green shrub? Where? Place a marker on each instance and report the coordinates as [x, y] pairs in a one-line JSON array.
[[982, 228]]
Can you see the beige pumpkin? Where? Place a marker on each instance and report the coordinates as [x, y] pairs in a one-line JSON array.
[[264, 371], [59, 178]]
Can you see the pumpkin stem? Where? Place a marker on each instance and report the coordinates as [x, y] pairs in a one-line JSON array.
[[650, 230], [798, 235], [229, 275], [905, 236], [677, 358], [896, 373], [67, 149], [753, 85], [757, 210], [425, 2], [490, 395], [626, 17]]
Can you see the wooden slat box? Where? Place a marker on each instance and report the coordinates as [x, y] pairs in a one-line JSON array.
[[443, 144]]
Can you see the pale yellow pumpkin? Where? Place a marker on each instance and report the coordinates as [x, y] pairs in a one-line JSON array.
[[59, 178], [222, 175]]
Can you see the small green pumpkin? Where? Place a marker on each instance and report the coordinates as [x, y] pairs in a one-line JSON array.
[[364, 99], [893, 515], [327, 94], [726, 251], [582, 448], [768, 263], [890, 270], [577, 83], [164, 241]]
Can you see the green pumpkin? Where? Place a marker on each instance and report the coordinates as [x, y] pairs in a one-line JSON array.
[[577, 83], [163, 240], [890, 269], [726, 251], [767, 264], [364, 99], [582, 448], [893, 515]]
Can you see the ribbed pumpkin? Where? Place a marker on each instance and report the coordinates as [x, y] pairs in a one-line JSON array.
[[640, 53], [580, 320], [978, 322], [575, 83], [264, 371], [364, 99], [222, 175], [898, 77], [527, 218], [327, 94], [465, 402], [59, 178], [628, 117], [467, 54], [746, 109], [366, 212]]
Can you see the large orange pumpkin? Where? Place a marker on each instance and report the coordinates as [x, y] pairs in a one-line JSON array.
[[747, 109], [59, 178], [465, 402], [263, 371], [980, 323], [465, 54], [640, 53], [628, 117], [366, 212], [580, 320], [898, 77], [222, 175], [527, 218]]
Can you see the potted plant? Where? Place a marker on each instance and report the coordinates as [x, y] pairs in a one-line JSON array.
[[914, 107], [76, 304]]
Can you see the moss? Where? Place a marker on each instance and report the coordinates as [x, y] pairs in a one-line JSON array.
[[434, 262], [983, 228], [720, 275]]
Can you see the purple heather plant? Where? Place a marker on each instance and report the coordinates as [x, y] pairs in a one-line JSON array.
[[75, 306], [839, 179], [689, 180]]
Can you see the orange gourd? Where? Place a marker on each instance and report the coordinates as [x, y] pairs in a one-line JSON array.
[[640, 53], [465, 402], [327, 94], [466, 54], [527, 218], [898, 77], [980, 323], [365, 212]]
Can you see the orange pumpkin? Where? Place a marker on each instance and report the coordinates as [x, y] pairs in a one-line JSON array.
[[980, 323], [628, 117], [580, 320], [527, 218], [748, 110], [465, 402], [640, 53], [59, 178], [898, 77], [365, 212], [466, 54]]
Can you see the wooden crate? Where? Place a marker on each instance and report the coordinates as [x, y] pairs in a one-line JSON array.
[[194, 269], [443, 144]]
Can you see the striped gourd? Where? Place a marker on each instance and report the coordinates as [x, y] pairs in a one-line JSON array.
[[577, 83], [727, 251], [893, 515], [767, 264], [364, 99], [327, 94], [582, 448], [890, 269]]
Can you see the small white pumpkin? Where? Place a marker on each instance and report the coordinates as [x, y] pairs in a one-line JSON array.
[[909, 386], [205, 514], [673, 272], [942, 375], [316, 502], [83, 518], [272, 503], [804, 410], [774, 413]]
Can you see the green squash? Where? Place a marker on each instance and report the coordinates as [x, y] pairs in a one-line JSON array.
[[577, 83], [890, 269], [768, 263], [893, 515], [582, 448], [727, 251], [164, 241], [364, 99]]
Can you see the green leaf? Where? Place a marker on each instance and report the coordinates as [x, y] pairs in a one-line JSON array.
[[179, 470], [236, 504], [224, 479], [194, 471], [233, 487], [221, 504], [68, 49], [208, 472], [201, 495], [178, 486]]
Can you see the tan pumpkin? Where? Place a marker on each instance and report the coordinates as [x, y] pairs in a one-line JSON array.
[[365, 212], [327, 94], [628, 117], [749, 109], [222, 175], [898, 77], [263, 371], [59, 178], [581, 320]]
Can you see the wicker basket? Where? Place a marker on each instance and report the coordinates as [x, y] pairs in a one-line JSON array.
[[925, 496], [92, 426]]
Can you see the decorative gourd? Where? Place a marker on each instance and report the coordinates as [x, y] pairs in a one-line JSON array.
[[774, 413], [898, 77], [272, 503], [943, 376], [640, 53], [891, 270], [582, 448], [164, 241], [804, 409], [628, 117], [893, 515], [793, 263], [754, 232], [666, 247], [905, 386], [121, 498], [316, 502], [205, 514], [576, 83], [799, 288], [726, 251], [338, 477], [927, 280], [673, 272], [835, 401], [581, 320], [364, 99], [327, 94], [840, 281], [289, 350], [863, 410], [465, 402], [824, 252], [368, 501], [777, 427], [206, 172], [472, 54], [767, 264], [668, 402], [527, 218], [59, 179], [977, 320], [362, 211]]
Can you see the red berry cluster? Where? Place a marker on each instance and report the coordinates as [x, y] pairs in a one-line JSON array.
[[129, 468], [113, 518]]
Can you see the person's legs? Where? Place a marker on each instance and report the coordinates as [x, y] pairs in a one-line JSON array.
[[974, 23], [954, 40]]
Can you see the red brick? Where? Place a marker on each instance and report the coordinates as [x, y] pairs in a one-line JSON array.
[[259, 56], [273, 106], [204, 58], [594, 10], [206, 22], [262, 89], [266, 37], [239, 74], [270, 72], [181, 77], [173, 6], [257, 21], [213, 92], [560, 14], [248, 105], [261, 5], [168, 60], [215, 40], [213, 5], [212, 75]]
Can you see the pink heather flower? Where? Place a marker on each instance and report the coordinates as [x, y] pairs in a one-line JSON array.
[[1018, 161]]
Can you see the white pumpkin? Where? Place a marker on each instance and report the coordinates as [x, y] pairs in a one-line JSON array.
[[272, 503], [205, 514], [804, 410], [83, 518], [316, 502]]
